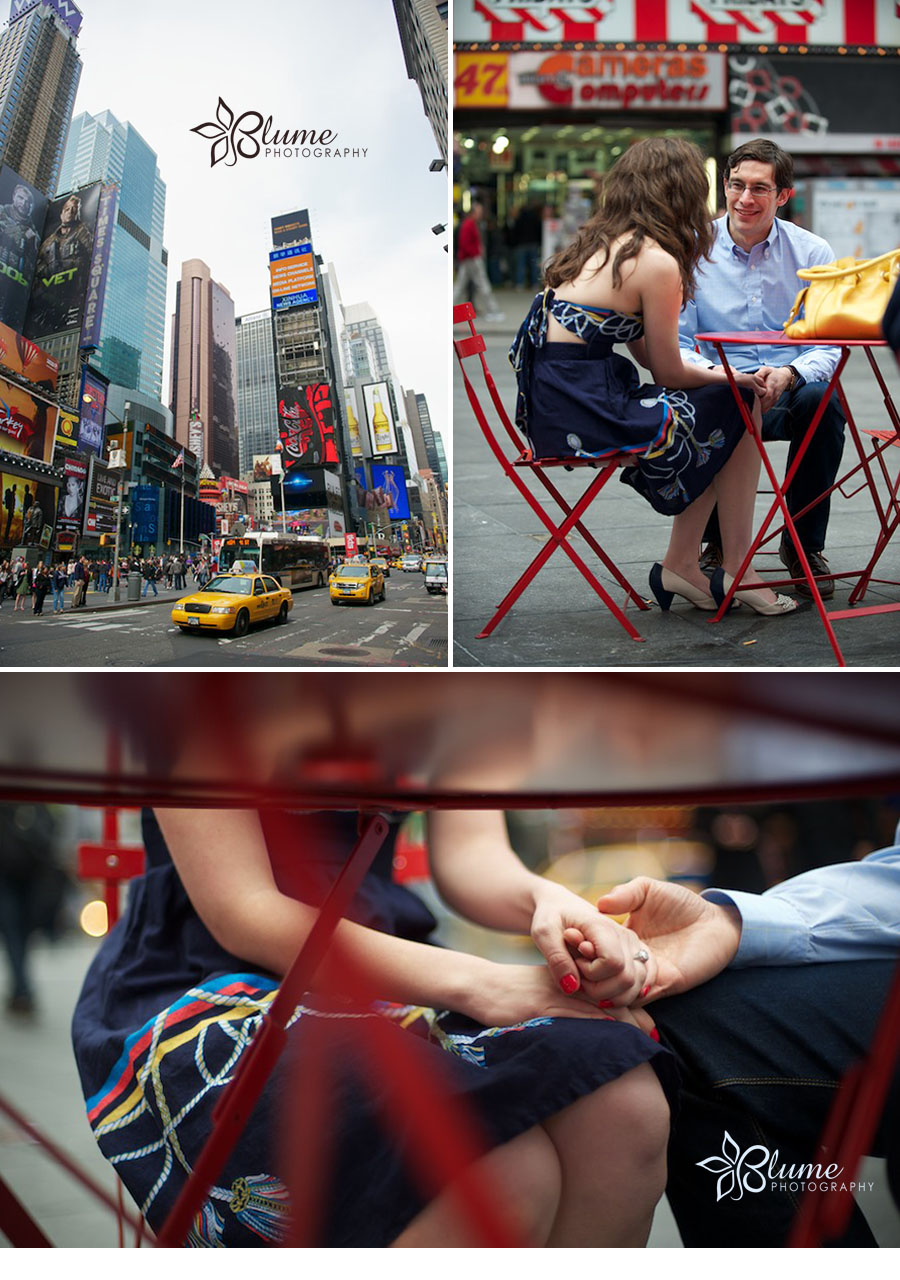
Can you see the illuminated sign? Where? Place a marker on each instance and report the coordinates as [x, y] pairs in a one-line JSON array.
[[69, 14], [306, 425], [746, 22], [293, 277], [27, 425], [380, 419], [290, 228]]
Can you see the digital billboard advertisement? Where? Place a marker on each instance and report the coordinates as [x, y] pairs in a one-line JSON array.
[[351, 407], [70, 512], [27, 425], [306, 425], [66, 433], [291, 228], [100, 516], [392, 483], [93, 412], [23, 356], [23, 210], [380, 419], [96, 287], [63, 264], [266, 465], [27, 516], [70, 14], [292, 273]]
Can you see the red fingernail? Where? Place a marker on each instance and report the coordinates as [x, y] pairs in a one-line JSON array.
[[605, 1004], [645, 990], [654, 1035], [569, 983], [607, 1018]]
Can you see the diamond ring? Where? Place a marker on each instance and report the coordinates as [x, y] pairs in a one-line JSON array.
[[642, 955]]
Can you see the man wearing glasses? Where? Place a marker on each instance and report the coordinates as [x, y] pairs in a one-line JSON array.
[[750, 283]]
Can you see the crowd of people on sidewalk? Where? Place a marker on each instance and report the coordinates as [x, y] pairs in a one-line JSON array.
[[21, 582]]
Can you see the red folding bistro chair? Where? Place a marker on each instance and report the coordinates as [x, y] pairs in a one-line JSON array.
[[518, 462]]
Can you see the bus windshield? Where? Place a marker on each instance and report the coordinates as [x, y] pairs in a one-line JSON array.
[[297, 560]]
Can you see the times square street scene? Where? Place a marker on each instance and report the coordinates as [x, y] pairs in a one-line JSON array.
[[547, 100], [220, 411]]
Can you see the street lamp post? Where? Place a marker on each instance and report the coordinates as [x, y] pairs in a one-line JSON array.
[[116, 589], [279, 449]]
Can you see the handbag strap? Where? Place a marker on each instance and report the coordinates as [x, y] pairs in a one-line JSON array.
[[852, 267]]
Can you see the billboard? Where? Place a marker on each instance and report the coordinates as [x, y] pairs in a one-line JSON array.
[[96, 287], [292, 274], [66, 432], [27, 425], [374, 499], [23, 356], [93, 412], [379, 419], [64, 9], [350, 407], [306, 425], [70, 511], [28, 509], [145, 514], [266, 465], [307, 488], [291, 228], [392, 483], [63, 264], [102, 503], [23, 210]]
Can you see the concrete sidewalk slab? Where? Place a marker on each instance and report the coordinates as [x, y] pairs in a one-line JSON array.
[[560, 622]]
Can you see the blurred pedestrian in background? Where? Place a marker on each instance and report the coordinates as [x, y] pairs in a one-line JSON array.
[[32, 891]]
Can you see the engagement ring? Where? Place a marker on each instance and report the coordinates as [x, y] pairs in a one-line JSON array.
[[642, 955]]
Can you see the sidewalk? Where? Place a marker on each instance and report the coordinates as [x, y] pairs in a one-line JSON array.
[[101, 601], [560, 622]]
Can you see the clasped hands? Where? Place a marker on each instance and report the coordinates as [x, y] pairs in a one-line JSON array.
[[686, 940]]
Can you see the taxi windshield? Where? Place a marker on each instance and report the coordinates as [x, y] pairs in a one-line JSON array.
[[351, 571], [230, 585]]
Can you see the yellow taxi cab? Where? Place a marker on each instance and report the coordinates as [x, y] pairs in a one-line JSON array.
[[382, 564], [355, 580], [232, 602]]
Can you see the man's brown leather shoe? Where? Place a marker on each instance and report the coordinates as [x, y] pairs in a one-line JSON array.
[[817, 563]]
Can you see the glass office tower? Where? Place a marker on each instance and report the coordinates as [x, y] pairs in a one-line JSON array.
[[132, 331]]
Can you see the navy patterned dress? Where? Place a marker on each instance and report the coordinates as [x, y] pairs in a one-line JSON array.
[[585, 400], [166, 1014]]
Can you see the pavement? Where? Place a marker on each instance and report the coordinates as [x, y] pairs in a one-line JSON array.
[[38, 1077], [560, 622], [101, 601]]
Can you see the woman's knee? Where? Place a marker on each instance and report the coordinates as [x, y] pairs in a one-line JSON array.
[[528, 1178], [633, 1110]]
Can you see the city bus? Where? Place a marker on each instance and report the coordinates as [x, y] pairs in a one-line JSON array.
[[296, 559]]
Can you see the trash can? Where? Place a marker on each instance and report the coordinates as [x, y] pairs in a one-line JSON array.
[[134, 586]]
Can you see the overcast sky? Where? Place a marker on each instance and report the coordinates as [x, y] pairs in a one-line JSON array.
[[309, 64]]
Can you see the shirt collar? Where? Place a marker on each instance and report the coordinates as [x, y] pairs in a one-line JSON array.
[[770, 241]]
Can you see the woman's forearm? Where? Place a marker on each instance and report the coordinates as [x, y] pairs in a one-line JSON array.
[[477, 873]]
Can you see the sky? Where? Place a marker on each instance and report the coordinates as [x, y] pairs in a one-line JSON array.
[[309, 64]]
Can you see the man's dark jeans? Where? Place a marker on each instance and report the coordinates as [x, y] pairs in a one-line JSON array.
[[761, 1052], [788, 419]]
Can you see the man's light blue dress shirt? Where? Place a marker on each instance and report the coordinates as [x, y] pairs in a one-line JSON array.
[[737, 292], [849, 911]]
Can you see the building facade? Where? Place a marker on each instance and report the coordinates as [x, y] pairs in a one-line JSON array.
[[257, 392], [39, 73], [546, 99], [423, 35], [133, 324], [203, 390]]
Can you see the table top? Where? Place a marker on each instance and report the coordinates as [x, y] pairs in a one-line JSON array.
[[451, 739], [776, 338]]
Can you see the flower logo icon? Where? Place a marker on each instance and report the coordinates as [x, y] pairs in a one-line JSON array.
[[231, 137]]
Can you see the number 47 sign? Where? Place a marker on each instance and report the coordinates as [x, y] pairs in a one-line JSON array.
[[481, 80]]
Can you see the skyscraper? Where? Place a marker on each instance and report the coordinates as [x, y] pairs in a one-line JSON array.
[[203, 392], [423, 34], [39, 73], [132, 331], [257, 392]]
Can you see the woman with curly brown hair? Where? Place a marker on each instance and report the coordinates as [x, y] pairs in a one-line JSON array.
[[625, 279]]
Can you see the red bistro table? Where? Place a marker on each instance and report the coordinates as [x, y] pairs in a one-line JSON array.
[[382, 741], [887, 511]]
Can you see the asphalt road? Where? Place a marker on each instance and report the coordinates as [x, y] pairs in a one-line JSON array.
[[407, 629]]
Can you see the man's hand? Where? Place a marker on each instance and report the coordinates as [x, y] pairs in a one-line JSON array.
[[690, 939], [615, 975], [776, 381]]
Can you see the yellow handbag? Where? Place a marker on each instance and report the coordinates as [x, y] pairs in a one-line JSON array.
[[844, 299]]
